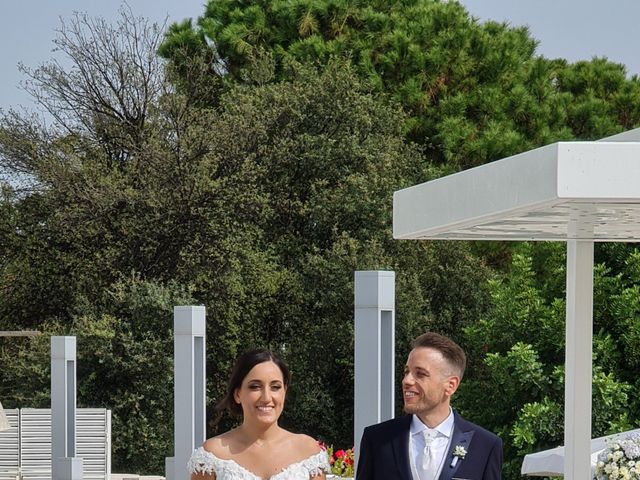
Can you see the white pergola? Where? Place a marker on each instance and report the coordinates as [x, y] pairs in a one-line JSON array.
[[578, 192]]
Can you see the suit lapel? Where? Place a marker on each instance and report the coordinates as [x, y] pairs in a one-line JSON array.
[[400, 444], [461, 437]]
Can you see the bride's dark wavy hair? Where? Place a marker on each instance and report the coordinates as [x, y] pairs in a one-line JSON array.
[[241, 368]]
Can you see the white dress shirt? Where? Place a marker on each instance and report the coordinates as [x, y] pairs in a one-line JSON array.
[[442, 438]]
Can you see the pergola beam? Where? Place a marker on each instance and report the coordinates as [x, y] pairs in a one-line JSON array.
[[535, 195]]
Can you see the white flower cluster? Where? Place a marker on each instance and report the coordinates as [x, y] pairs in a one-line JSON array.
[[459, 451], [620, 460]]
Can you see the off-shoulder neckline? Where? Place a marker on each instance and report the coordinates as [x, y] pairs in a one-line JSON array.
[[246, 470]]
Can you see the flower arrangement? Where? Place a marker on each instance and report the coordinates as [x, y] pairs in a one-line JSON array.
[[620, 460], [341, 461]]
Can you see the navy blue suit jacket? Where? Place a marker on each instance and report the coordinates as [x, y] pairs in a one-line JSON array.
[[384, 452]]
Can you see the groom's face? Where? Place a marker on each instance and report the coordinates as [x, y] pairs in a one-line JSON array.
[[427, 383]]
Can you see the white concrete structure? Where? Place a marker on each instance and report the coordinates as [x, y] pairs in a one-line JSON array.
[[578, 192], [189, 329], [550, 463], [374, 350], [64, 463]]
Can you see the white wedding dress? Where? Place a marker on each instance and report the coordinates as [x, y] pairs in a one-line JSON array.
[[203, 461]]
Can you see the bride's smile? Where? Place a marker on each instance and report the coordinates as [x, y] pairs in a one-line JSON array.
[[262, 393]]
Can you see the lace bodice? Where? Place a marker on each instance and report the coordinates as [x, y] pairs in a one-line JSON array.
[[203, 461]]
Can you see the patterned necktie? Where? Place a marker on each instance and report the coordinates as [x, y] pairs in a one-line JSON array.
[[429, 464]]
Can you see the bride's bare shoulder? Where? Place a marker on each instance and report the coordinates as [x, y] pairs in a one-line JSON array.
[[221, 445], [304, 444]]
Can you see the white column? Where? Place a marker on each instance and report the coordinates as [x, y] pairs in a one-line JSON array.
[[190, 387], [579, 328], [374, 350], [64, 464]]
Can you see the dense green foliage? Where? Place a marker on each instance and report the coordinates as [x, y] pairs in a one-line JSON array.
[[474, 92], [253, 172], [521, 364]]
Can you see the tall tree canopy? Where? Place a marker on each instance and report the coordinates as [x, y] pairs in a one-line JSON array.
[[475, 92]]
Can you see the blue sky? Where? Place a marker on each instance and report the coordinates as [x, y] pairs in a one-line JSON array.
[[27, 28], [571, 29]]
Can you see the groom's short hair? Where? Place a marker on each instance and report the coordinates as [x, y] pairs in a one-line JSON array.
[[450, 350]]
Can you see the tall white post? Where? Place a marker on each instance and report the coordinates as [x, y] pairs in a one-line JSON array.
[[374, 349], [579, 333], [64, 463], [190, 388]]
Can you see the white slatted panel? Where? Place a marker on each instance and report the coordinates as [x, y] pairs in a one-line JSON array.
[[10, 447], [35, 447], [91, 441], [33, 455]]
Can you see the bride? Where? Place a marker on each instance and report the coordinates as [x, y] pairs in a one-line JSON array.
[[259, 449]]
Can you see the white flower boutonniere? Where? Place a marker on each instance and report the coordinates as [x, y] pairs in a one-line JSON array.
[[459, 452]]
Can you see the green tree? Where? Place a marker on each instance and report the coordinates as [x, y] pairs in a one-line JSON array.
[[107, 199], [603, 100], [123, 365], [517, 354], [474, 92], [330, 154]]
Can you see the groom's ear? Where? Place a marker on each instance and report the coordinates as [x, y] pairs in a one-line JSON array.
[[452, 385]]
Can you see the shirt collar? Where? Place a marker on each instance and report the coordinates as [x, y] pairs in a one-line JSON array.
[[445, 428]]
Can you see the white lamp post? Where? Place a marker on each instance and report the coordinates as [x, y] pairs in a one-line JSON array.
[[64, 463], [189, 330], [374, 350]]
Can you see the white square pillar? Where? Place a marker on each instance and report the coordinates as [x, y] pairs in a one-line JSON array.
[[579, 334], [189, 328], [64, 464], [374, 350], [67, 468]]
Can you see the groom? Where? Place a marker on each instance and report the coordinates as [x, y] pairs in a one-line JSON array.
[[433, 441]]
